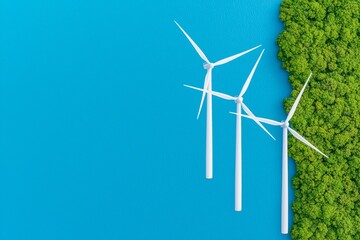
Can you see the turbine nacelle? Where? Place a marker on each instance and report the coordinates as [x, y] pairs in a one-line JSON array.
[[285, 124], [239, 100], [208, 66]]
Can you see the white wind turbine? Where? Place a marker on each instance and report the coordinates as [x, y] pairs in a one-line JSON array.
[[239, 105], [286, 128], [208, 66]]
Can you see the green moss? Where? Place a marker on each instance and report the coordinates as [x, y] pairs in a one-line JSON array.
[[323, 37]]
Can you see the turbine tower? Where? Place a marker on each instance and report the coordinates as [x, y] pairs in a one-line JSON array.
[[238, 151], [285, 178], [208, 66]]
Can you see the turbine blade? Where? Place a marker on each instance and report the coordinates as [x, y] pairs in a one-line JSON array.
[[198, 50], [207, 77], [247, 110], [302, 139], [297, 100], [223, 95], [196, 88], [263, 120], [229, 59], [248, 80], [217, 94]]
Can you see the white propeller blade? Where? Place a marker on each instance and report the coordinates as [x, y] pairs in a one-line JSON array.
[[248, 80], [247, 110], [223, 96], [297, 100], [302, 139], [228, 59], [218, 94], [198, 50], [264, 120], [196, 88], [206, 84]]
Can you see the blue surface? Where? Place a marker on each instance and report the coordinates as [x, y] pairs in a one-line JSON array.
[[99, 139]]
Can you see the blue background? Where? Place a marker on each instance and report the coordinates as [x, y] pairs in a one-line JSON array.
[[99, 139]]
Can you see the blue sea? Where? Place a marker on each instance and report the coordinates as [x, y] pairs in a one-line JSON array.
[[99, 138]]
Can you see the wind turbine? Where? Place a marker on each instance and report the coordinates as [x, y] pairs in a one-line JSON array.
[[286, 129], [239, 105], [208, 66]]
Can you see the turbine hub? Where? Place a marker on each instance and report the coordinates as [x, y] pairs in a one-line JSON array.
[[285, 125], [239, 100], [208, 66]]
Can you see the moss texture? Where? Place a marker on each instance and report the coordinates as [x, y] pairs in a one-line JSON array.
[[323, 37]]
